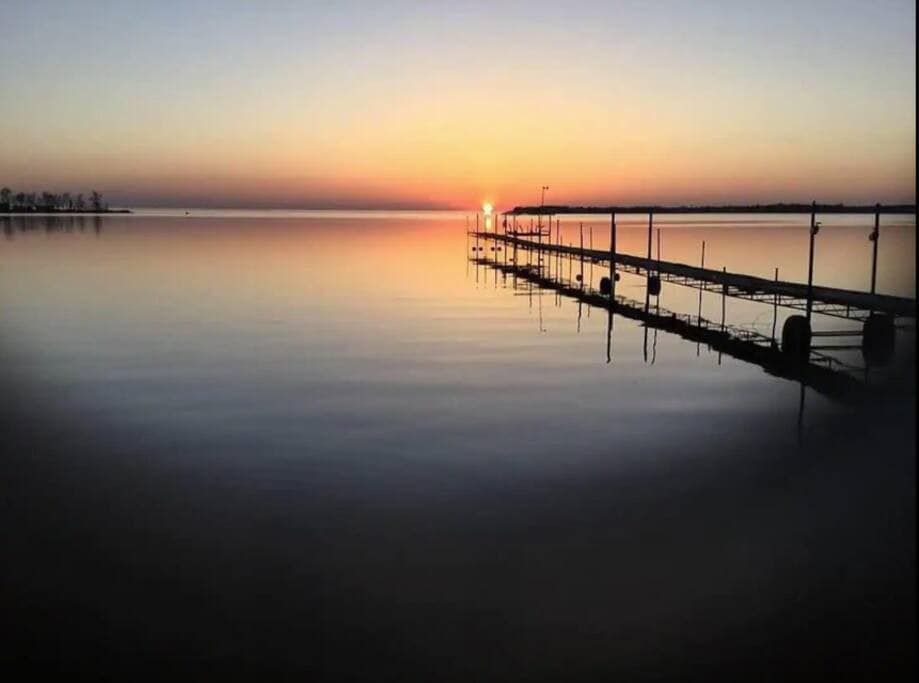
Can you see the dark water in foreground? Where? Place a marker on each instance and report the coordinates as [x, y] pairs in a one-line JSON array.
[[331, 445]]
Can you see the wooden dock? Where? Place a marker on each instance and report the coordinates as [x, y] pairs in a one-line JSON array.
[[840, 303]]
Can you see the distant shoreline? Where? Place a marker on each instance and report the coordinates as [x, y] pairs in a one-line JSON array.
[[40, 212]]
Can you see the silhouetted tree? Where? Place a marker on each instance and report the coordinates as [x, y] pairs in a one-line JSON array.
[[5, 197], [47, 201], [66, 201], [81, 205], [20, 199], [95, 198]]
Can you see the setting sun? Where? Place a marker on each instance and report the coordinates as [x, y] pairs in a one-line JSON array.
[[487, 208]]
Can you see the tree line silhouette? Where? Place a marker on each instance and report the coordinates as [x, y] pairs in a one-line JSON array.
[[50, 202]]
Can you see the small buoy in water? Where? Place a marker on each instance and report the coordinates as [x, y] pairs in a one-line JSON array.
[[654, 285], [796, 338], [578, 277], [606, 287]]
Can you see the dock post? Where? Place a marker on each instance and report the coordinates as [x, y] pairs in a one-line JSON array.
[[539, 249], [815, 228], [612, 288], [581, 258], [724, 295], [648, 269], [874, 252], [775, 308], [558, 242], [612, 257], [699, 314], [590, 276]]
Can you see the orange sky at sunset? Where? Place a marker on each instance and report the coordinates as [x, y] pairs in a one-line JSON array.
[[348, 106]]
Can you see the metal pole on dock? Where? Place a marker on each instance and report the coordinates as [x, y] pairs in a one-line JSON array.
[[590, 277], [815, 227], [874, 251], [612, 287], [775, 308], [724, 300], [612, 257], [699, 315], [558, 241], [539, 251], [648, 271]]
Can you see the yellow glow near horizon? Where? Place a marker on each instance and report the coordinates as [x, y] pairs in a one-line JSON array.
[[487, 208]]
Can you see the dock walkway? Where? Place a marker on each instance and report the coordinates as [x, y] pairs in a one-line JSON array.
[[840, 303]]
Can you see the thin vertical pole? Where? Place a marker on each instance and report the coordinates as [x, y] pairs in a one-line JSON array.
[[558, 242], [810, 262], [612, 257], [591, 248], [612, 287], [699, 314], [648, 266], [874, 252], [539, 250], [582, 256], [724, 299], [775, 308]]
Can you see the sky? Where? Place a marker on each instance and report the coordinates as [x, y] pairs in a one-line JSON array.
[[450, 104]]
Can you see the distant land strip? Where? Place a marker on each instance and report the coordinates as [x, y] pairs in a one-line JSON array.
[[38, 212], [748, 208], [51, 202]]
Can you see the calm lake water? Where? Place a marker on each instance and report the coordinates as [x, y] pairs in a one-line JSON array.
[[315, 441]]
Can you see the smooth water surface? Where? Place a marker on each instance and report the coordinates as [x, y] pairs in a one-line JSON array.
[[336, 425]]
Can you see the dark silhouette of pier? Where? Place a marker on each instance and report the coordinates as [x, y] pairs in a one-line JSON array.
[[832, 301]]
